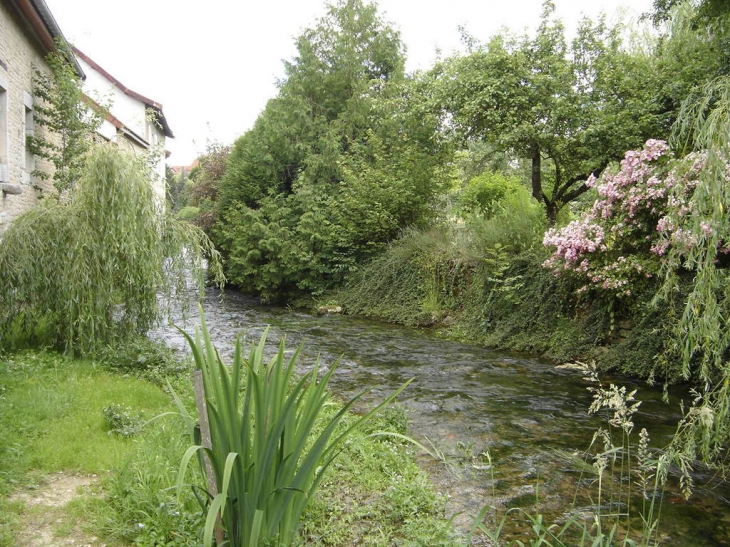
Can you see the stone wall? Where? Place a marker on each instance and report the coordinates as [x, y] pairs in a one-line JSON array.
[[19, 55]]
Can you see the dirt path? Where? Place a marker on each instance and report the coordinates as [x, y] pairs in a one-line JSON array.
[[45, 523]]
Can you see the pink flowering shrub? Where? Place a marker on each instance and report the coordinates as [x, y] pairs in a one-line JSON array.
[[641, 211]]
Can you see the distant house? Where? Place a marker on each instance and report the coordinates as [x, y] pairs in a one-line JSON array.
[[132, 120], [27, 34], [185, 170]]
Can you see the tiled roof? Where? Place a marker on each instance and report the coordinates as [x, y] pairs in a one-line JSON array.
[[44, 26]]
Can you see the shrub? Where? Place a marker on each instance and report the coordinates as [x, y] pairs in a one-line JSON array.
[[484, 195], [623, 237], [80, 274], [517, 223], [122, 420], [187, 213], [145, 358]]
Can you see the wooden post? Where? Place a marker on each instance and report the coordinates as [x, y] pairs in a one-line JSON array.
[[205, 441]]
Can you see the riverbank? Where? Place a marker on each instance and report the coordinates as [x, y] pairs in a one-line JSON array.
[[77, 419], [508, 301], [514, 430]]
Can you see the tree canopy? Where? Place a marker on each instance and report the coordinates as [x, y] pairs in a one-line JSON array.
[[338, 163], [568, 108]]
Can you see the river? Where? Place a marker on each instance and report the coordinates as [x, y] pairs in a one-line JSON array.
[[466, 401]]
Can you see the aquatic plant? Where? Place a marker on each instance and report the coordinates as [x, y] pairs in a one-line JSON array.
[[268, 449], [622, 470]]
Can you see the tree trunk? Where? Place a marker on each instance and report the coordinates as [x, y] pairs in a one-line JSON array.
[[537, 174], [551, 212]]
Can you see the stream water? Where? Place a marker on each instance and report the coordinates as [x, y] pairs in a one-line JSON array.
[[467, 401]]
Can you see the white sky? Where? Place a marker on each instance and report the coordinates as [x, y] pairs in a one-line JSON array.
[[213, 64]]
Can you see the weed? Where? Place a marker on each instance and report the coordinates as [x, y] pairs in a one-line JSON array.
[[122, 420], [144, 358], [622, 471]]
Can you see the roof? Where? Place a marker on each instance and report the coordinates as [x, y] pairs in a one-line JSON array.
[[41, 21], [179, 169], [149, 103], [126, 131]]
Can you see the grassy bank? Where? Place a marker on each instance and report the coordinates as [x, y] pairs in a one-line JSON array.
[[79, 416], [472, 286]]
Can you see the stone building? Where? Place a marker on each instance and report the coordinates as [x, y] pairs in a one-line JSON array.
[[132, 120], [28, 33]]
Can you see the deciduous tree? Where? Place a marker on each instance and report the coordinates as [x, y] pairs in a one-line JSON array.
[[568, 108]]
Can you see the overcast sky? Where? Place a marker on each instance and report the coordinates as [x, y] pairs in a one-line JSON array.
[[213, 64]]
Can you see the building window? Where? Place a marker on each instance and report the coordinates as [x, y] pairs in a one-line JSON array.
[[4, 169], [29, 165]]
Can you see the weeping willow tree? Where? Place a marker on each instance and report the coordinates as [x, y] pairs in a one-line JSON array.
[[103, 265], [701, 249]]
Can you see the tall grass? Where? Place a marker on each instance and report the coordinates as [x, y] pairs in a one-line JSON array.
[[267, 450], [628, 478]]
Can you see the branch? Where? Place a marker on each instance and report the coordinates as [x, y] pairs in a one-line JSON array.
[[567, 197]]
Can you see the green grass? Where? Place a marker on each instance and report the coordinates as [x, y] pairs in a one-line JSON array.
[[51, 416], [51, 419], [375, 495]]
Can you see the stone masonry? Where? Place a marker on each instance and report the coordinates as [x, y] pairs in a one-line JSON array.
[[20, 54]]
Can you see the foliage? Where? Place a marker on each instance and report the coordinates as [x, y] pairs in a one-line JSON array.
[[395, 285], [122, 420], [175, 190], [649, 221], [143, 358], [188, 213], [141, 505], [517, 225], [706, 11], [344, 158], [693, 51], [267, 456], [511, 303], [376, 494], [61, 109], [622, 236], [485, 193], [80, 274], [697, 238], [205, 183], [51, 416], [696, 232], [568, 108], [480, 157], [424, 275]]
